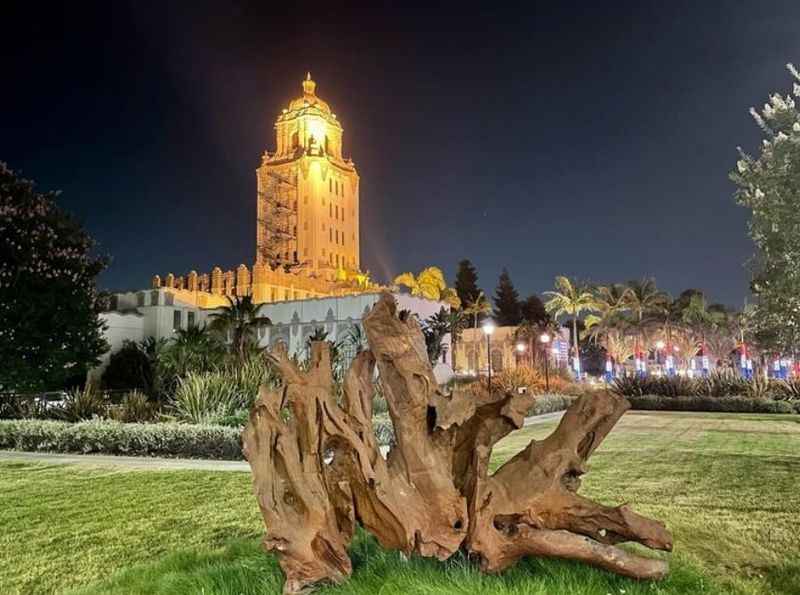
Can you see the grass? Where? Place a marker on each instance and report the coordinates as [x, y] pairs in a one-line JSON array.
[[726, 485]]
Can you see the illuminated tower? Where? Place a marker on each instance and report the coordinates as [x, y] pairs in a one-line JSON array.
[[308, 193]]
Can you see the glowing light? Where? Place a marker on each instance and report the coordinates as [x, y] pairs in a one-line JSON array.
[[520, 347], [659, 344], [544, 338], [316, 128], [488, 327]]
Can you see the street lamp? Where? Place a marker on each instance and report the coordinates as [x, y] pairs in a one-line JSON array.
[[488, 328], [544, 339], [520, 350]]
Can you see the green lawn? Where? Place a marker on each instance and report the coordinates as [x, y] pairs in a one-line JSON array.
[[727, 485]]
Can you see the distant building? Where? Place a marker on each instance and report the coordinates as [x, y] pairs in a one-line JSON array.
[[306, 270], [160, 313], [471, 354], [307, 218]]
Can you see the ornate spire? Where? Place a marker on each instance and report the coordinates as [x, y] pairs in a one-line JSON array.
[[309, 85]]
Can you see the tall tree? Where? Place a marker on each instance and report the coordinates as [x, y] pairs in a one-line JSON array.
[[570, 299], [466, 284], [242, 319], [533, 311], [50, 331], [478, 308], [647, 305], [768, 186], [507, 308]]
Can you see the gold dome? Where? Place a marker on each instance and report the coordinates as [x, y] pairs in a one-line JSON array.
[[309, 98]]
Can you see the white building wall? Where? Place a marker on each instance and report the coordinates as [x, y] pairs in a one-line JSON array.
[[293, 321]]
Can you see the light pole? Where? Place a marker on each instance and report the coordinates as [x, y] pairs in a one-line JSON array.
[[544, 339], [488, 329]]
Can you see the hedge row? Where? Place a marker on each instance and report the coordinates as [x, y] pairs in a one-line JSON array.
[[714, 404], [116, 438], [550, 404]]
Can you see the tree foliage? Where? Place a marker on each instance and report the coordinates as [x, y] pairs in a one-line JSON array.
[[430, 284], [241, 317], [466, 284], [769, 185], [50, 331], [507, 309], [533, 310]]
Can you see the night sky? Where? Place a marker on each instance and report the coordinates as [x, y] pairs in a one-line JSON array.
[[591, 139]]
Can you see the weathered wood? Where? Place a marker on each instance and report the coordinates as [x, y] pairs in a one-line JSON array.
[[318, 472]]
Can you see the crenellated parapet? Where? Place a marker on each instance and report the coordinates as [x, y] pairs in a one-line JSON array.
[[263, 283]]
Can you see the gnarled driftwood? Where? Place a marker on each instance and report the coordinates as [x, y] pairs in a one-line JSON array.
[[318, 471]]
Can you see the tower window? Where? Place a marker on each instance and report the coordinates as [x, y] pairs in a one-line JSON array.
[[330, 234], [330, 184], [330, 209], [337, 211], [305, 225]]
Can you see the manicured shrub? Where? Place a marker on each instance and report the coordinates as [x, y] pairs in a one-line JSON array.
[[115, 438], [551, 403], [732, 404], [717, 385]]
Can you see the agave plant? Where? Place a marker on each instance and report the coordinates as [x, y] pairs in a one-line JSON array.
[[80, 404]]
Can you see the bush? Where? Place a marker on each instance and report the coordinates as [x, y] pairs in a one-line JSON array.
[[733, 404], [202, 398], [236, 420], [512, 379], [115, 438], [717, 385], [129, 368], [135, 407], [551, 403], [81, 404]]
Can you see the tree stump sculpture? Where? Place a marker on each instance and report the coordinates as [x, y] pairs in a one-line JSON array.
[[318, 472]]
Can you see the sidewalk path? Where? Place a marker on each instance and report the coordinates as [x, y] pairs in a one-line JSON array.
[[162, 464]]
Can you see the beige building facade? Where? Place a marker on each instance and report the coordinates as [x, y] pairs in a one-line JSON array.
[[307, 209], [308, 201]]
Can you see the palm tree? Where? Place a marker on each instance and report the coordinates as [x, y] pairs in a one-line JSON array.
[[702, 319], [241, 317], [570, 299], [647, 304], [478, 308], [611, 325], [194, 349], [619, 346], [450, 322], [531, 332]]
